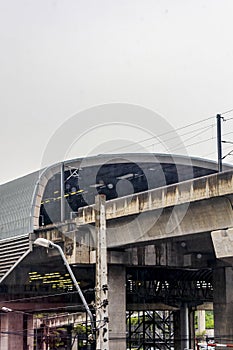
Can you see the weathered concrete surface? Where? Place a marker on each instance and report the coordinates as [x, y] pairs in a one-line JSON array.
[[117, 307], [223, 304], [217, 185], [14, 335], [199, 217], [194, 206], [149, 226], [223, 285], [191, 207]]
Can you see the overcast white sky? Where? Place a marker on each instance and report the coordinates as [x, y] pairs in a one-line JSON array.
[[59, 57]]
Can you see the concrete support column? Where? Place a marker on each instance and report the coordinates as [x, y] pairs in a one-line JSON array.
[[30, 332], [16, 331], [200, 321], [192, 334], [184, 326], [12, 337], [117, 307], [177, 336], [223, 304]]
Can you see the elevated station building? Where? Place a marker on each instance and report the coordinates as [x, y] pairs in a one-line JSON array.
[[173, 269]]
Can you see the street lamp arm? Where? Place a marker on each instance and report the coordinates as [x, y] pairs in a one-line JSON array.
[[74, 281], [49, 244]]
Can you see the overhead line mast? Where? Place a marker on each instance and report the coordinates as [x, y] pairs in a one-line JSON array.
[[219, 141]]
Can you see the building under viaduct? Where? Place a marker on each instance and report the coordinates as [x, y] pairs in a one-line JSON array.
[[169, 243]]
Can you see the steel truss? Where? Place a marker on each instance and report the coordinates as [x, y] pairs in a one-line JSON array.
[[150, 330], [169, 286]]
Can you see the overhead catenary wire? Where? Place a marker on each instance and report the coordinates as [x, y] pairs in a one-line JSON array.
[[226, 112], [225, 148], [228, 133], [175, 137], [182, 143], [169, 132], [198, 134], [228, 154], [162, 134], [193, 144]]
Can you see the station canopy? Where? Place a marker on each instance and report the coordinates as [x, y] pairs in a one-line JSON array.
[[35, 199]]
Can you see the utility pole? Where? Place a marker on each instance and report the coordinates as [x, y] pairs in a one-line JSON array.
[[101, 293], [62, 192], [219, 141]]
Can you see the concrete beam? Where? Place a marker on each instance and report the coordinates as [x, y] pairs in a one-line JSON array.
[[197, 217], [151, 307], [211, 186], [194, 206]]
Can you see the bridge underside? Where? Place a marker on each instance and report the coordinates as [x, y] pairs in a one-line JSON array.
[[160, 252], [43, 278], [158, 285], [169, 271]]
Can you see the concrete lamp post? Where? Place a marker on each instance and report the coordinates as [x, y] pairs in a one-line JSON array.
[[48, 244]]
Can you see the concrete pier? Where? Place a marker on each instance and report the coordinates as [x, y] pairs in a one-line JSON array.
[[117, 307], [16, 331], [223, 304]]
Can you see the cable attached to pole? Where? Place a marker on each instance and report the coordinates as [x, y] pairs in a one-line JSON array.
[[219, 141]]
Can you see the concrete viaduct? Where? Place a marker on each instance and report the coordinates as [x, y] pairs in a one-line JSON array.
[[169, 242]]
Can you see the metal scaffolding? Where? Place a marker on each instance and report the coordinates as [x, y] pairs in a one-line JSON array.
[[147, 329]]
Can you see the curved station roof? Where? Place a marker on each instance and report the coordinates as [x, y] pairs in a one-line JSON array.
[[36, 199]]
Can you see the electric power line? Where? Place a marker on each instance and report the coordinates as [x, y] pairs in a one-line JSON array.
[[226, 148], [228, 133], [193, 144], [189, 138], [175, 137], [160, 135], [169, 132], [230, 110]]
